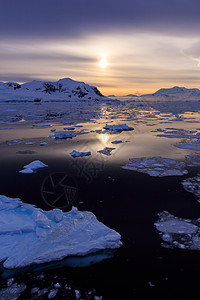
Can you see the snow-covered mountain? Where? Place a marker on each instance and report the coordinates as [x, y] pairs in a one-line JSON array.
[[176, 92], [62, 90]]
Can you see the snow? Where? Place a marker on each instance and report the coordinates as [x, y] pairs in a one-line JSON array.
[[64, 89], [157, 166], [119, 127], [33, 167], [75, 153], [30, 235], [177, 232]]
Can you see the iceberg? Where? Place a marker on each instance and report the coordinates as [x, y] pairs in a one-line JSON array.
[[157, 166], [75, 153], [33, 167], [30, 235], [119, 127]]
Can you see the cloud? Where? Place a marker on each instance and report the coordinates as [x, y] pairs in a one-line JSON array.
[[50, 18]]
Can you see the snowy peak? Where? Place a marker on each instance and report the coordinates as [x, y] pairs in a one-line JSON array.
[[64, 85], [176, 90], [63, 89]]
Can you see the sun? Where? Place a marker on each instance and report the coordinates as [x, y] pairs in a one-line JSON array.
[[103, 63]]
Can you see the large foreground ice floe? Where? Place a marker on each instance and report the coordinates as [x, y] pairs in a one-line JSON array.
[[29, 235], [177, 232], [157, 166]]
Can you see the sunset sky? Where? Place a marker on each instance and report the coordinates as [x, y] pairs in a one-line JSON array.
[[142, 45]]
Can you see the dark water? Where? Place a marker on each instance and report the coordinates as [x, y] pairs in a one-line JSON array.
[[127, 202]]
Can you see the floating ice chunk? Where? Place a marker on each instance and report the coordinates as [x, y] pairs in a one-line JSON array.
[[63, 135], [69, 128], [53, 129], [177, 232], [43, 144], [52, 294], [41, 125], [34, 236], [119, 127], [75, 153], [12, 292], [192, 185], [30, 143], [193, 160], [13, 142], [188, 146], [117, 142], [106, 151], [33, 167], [157, 166]]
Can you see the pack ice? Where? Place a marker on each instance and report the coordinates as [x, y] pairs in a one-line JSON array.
[[157, 166], [177, 232], [29, 235]]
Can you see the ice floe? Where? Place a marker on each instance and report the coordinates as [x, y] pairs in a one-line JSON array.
[[119, 127], [192, 185], [63, 135], [43, 144], [12, 292], [13, 142], [106, 151], [33, 167], [75, 153], [30, 235], [41, 125], [193, 160], [157, 166], [191, 146], [177, 232], [117, 142]]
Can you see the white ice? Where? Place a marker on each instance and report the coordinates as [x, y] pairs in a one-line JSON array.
[[30, 235]]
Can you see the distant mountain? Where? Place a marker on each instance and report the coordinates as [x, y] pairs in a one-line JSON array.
[[176, 91], [63, 89], [131, 95]]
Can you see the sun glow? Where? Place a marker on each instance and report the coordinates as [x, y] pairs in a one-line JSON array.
[[103, 63]]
